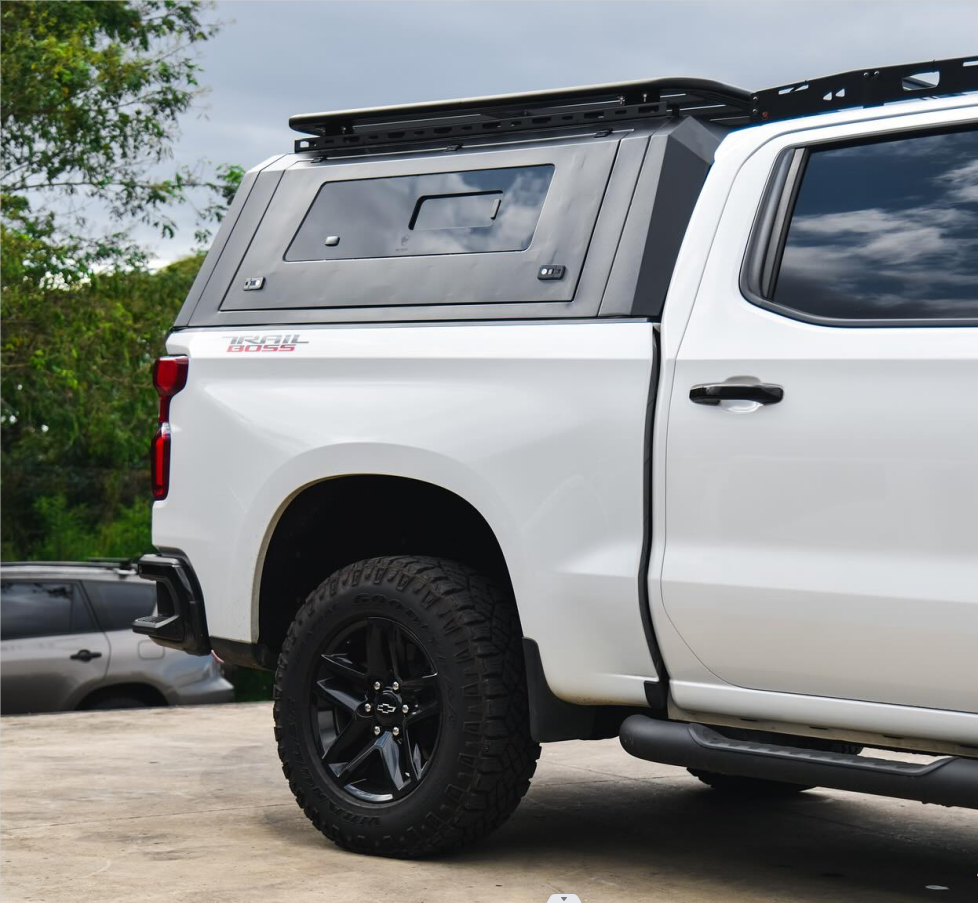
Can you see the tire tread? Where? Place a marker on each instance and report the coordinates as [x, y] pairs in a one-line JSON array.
[[500, 756]]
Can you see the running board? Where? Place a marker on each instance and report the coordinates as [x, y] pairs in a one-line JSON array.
[[951, 781]]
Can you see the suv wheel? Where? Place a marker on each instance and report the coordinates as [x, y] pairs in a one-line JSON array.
[[401, 711]]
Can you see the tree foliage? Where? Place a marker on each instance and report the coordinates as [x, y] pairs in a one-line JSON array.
[[79, 409], [91, 96]]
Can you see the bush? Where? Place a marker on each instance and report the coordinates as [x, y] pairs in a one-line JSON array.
[[67, 533], [79, 409]]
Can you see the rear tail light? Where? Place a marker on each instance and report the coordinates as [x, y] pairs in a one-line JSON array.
[[160, 462], [169, 377]]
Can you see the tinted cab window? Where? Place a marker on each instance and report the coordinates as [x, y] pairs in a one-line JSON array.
[[886, 230]]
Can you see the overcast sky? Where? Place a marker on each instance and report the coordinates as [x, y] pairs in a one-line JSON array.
[[274, 58]]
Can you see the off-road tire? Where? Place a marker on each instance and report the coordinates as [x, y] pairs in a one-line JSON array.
[[485, 756]]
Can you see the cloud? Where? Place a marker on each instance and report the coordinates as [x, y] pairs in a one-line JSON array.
[[883, 260], [277, 58], [962, 183], [889, 239]]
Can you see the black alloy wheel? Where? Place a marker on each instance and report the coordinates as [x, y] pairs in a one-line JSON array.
[[376, 710], [401, 712]]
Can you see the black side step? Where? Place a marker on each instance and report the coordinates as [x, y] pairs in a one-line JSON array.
[[952, 781]]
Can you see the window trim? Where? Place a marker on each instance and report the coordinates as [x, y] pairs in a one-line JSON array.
[[87, 604], [769, 233]]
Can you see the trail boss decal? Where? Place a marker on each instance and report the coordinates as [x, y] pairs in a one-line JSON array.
[[252, 343]]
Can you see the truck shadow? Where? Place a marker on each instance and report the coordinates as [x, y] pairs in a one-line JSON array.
[[668, 831], [617, 839]]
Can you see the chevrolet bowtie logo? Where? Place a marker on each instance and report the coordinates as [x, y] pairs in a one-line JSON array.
[[385, 708]]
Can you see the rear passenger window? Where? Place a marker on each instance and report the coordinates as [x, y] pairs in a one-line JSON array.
[[885, 231], [442, 213], [117, 605], [42, 609]]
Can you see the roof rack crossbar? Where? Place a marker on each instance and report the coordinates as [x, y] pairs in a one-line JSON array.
[[598, 105], [602, 106], [866, 88]]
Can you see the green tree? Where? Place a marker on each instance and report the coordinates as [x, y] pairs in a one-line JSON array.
[[90, 94], [79, 408]]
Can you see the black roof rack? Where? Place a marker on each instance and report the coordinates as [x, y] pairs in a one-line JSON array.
[[866, 88], [597, 105], [603, 106]]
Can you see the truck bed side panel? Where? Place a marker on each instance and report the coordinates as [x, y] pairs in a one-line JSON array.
[[538, 426]]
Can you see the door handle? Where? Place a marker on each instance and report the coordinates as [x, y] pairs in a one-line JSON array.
[[85, 655], [713, 394]]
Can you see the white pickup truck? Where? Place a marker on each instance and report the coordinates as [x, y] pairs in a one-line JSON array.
[[645, 410]]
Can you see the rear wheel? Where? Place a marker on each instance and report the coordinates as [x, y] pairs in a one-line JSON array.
[[401, 709]]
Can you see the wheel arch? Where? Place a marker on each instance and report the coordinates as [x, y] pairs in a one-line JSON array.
[[338, 520]]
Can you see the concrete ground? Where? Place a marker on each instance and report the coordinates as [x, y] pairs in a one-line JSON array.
[[190, 804]]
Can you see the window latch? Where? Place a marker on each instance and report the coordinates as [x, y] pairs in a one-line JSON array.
[[551, 271]]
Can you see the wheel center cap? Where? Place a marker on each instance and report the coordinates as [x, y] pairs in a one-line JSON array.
[[388, 707]]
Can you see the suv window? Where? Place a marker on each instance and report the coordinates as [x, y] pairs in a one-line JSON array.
[[118, 604], [42, 609], [441, 213], [886, 230]]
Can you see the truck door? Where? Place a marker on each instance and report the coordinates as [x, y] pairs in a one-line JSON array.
[[822, 449]]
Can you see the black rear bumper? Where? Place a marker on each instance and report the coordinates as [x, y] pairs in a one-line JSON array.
[[179, 622]]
